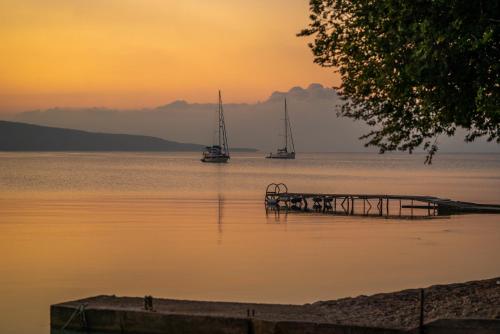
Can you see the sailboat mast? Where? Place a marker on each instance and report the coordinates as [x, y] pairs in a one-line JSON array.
[[222, 128], [286, 127], [226, 145], [219, 111], [291, 135]]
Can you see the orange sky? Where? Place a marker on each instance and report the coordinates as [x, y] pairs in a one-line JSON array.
[[140, 53]]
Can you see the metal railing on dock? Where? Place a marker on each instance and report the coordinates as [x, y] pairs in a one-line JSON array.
[[278, 198]]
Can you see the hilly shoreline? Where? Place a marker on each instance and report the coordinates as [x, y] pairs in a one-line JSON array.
[[15, 136]]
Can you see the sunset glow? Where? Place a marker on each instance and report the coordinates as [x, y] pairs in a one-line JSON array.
[[237, 166], [137, 53]]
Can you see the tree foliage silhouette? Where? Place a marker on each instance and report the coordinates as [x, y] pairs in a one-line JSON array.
[[413, 70]]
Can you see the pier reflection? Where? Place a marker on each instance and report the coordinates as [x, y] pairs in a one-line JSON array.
[[276, 215]]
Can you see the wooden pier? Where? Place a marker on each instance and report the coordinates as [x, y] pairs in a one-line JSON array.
[[279, 198]]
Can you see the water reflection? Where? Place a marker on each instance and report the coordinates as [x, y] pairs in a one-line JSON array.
[[220, 215], [274, 214], [73, 226]]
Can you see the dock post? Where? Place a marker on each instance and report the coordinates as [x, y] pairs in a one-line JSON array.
[[421, 318], [352, 207], [400, 205], [148, 303], [387, 206], [364, 205], [335, 205], [412, 208]]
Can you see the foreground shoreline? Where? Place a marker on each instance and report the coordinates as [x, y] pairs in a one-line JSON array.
[[393, 312]]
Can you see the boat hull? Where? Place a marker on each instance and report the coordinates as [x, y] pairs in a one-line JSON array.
[[220, 159], [285, 156]]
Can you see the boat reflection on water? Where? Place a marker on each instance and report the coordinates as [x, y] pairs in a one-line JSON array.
[[220, 216]]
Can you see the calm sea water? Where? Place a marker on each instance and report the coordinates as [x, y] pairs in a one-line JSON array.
[[74, 225]]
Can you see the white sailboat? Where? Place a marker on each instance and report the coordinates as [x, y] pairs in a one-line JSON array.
[[218, 153], [285, 152]]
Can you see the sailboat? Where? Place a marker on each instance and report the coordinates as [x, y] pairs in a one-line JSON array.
[[218, 153], [284, 153]]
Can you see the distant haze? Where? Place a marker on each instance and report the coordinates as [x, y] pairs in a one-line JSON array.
[[316, 127]]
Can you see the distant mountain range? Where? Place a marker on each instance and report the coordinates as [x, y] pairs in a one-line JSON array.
[[27, 137], [312, 111]]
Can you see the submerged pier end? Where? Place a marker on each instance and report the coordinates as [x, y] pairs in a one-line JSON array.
[[471, 308]]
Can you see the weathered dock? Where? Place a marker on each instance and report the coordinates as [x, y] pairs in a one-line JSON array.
[[279, 198]]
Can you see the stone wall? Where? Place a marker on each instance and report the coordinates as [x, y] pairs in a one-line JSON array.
[[147, 322]]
